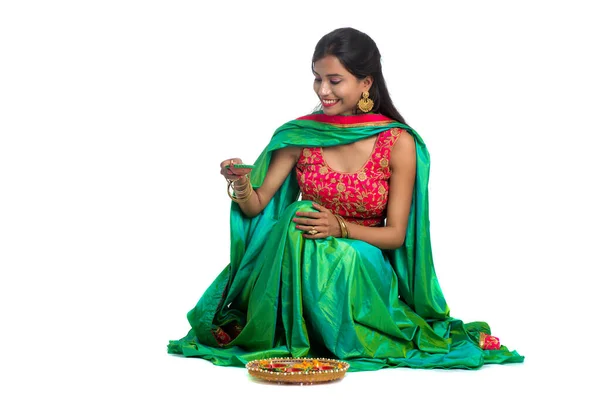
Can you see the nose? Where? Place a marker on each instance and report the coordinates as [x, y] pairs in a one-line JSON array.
[[324, 89]]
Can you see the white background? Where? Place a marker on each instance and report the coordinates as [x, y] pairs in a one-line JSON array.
[[114, 116]]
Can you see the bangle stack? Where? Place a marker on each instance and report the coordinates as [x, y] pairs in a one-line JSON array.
[[343, 226], [240, 195]]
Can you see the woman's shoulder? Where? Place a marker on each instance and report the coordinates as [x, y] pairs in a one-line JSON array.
[[403, 144], [397, 132], [290, 151], [389, 137]]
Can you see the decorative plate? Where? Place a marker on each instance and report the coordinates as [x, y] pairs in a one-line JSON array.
[[297, 370]]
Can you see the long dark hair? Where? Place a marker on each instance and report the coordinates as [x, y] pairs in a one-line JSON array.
[[359, 54]]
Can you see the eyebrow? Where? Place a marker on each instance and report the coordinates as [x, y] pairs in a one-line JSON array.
[[330, 75]]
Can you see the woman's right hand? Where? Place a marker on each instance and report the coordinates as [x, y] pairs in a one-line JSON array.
[[233, 174]]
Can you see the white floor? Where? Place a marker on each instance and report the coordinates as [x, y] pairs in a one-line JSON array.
[[140, 368], [175, 377]]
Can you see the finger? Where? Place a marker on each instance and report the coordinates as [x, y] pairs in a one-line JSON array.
[[306, 221], [241, 171], [230, 161], [227, 173], [311, 214], [307, 228], [237, 171], [230, 176], [319, 207]]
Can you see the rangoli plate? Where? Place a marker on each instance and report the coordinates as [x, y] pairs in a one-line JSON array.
[[297, 370]]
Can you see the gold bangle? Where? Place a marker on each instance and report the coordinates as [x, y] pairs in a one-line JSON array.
[[244, 185], [243, 191], [343, 227], [240, 196], [240, 199]]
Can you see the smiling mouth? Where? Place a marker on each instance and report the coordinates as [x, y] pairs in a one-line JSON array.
[[329, 103]]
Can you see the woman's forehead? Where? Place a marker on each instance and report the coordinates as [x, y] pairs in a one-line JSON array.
[[329, 65]]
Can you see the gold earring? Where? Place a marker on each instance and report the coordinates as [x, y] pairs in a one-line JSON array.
[[365, 104]]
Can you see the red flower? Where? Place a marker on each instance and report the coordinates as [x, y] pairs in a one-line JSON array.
[[488, 342]]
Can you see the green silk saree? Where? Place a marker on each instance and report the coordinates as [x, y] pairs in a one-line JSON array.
[[286, 296]]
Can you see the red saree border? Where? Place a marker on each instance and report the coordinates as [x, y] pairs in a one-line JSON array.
[[349, 120]]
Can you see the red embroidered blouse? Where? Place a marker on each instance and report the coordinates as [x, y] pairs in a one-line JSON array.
[[360, 197]]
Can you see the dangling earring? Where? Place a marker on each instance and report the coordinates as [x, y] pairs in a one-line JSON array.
[[365, 104]]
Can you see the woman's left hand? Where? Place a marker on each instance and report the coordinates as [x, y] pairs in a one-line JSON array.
[[318, 225]]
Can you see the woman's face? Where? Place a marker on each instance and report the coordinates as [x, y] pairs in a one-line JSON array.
[[338, 90]]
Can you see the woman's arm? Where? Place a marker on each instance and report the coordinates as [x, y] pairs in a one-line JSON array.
[[282, 162], [403, 161]]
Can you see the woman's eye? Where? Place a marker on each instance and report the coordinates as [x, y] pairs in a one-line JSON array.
[[332, 82]]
